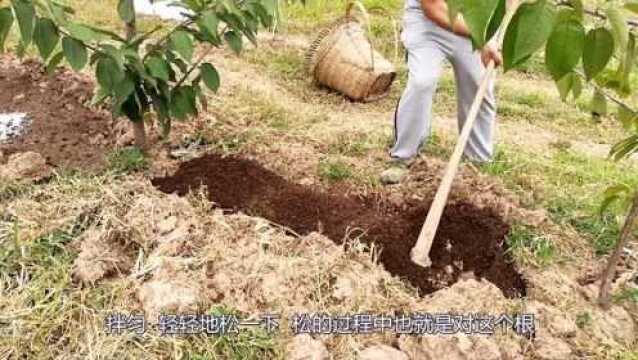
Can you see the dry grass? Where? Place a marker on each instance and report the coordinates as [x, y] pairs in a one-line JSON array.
[[124, 239], [230, 263]]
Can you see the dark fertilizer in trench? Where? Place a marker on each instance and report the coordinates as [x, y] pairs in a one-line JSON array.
[[469, 239]]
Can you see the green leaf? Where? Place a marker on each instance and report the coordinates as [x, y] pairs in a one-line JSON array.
[[82, 32], [108, 73], [598, 104], [613, 194], [627, 65], [619, 27], [158, 67], [271, 6], [520, 43], [234, 41], [628, 118], [564, 15], [6, 21], [625, 148], [569, 83], [632, 6], [131, 108], [124, 89], [183, 102], [210, 76], [478, 15], [598, 50], [496, 20], [182, 43], [578, 7], [58, 12], [75, 53], [25, 14], [46, 37], [209, 23], [577, 88], [54, 62], [126, 10], [564, 48]]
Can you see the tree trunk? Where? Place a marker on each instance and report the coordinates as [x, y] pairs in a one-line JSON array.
[[604, 297], [140, 134], [138, 126]]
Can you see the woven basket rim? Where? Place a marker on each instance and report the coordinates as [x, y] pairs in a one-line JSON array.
[[312, 54]]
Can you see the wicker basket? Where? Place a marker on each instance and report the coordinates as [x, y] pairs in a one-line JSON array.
[[342, 58]]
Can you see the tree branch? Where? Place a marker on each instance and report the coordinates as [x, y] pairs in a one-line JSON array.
[[604, 297], [605, 94], [595, 13]]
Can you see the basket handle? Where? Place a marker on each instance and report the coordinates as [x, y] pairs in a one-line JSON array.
[[366, 18]]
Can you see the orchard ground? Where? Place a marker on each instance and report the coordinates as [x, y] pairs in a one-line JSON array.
[[97, 235]]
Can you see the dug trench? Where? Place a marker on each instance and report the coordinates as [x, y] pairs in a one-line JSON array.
[[469, 239]]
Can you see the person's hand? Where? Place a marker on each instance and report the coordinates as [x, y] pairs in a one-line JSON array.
[[491, 52]]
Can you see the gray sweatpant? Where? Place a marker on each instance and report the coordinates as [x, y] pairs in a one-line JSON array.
[[427, 45]]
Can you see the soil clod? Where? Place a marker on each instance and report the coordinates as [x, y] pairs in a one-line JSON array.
[[469, 239]]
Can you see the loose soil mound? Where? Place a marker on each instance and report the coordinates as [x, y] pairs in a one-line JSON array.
[[62, 129], [468, 240]]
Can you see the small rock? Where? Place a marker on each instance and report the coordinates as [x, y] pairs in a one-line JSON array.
[[484, 349], [306, 181], [343, 288], [615, 323], [468, 275], [167, 225], [558, 323], [393, 175], [97, 140], [436, 347], [27, 166], [184, 154], [396, 199], [449, 269], [562, 326], [511, 349], [19, 97], [304, 347], [382, 352], [125, 139], [160, 297], [550, 348]]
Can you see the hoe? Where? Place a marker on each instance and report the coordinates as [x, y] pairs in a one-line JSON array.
[[420, 253]]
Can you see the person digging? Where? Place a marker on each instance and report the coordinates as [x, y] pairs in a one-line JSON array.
[[429, 38]]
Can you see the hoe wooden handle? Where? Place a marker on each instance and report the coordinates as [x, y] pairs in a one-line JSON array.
[[421, 251]]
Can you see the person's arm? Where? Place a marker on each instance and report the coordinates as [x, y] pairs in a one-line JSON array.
[[437, 11]]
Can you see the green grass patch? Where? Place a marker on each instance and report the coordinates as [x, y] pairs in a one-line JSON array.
[[128, 160], [250, 343], [283, 62], [19, 255], [355, 145], [633, 355], [528, 246], [334, 170], [627, 294], [569, 185], [583, 320]]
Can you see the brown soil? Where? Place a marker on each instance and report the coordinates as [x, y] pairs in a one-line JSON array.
[[65, 132], [468, 239]]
